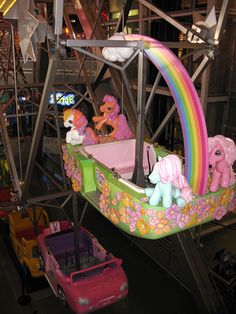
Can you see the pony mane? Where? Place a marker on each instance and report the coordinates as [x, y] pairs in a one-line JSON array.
[[79, 117], [66, 114], [170, 170], [228, 146], [109, 98], [112, 99]]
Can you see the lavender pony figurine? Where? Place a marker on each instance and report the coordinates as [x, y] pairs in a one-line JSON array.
[[222, 154], [170, 183]]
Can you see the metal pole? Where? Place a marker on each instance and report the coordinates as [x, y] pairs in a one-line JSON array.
[[9, 154], [152, 93], [60, 144], [76, 230], [172, 21], [138, 174], [86, 78], [48, 197], [83, 213], [50, 177], [124, 16], [122, 20], [51, 73], [205, 89], [221, 22], [205, 296], [165, 16], [16, 100]]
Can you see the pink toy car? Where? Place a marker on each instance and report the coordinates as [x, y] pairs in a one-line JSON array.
[[100, 280]]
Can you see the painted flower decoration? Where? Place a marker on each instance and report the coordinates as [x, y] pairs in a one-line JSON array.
[[153, 221], [114, 216], [104, 204], [172, 212], [151, 212], [143, 226], [119, 196], [106, 189], [186, 209], [162, 226], [183, 221], [127, 199], [73, 171], [132, 227], [124, 215], [225, 197], [232, 206], [219, 212]]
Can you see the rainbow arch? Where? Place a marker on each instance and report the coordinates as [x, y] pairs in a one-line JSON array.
[[189, 109]]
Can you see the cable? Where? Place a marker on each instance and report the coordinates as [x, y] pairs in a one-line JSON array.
[[222, 225]]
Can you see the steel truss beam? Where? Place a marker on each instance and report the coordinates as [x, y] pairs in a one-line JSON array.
[[50, 77], [82, 67], [87, 17], [138, 175], [179, 256], [174, 22], [207, 300], [9, 154], [47, 197], [119, 27]]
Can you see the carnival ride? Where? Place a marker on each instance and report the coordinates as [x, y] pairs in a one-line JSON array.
[[104, 173]]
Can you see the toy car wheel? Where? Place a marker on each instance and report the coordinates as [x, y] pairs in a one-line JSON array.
[[62, 296]]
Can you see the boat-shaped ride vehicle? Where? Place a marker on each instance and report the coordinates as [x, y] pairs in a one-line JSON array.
[[103, 173]]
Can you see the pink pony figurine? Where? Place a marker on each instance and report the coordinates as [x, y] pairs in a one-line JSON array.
[[79, 132], [169, 183], [111, 117], [222, 154]]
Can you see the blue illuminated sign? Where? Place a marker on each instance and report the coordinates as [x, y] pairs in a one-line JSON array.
[[67, 99]]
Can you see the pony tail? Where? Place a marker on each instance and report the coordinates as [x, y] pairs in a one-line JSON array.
[[187, 194], [186, 191], [180, 181]]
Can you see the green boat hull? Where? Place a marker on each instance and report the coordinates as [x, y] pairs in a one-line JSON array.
[[129, 209]]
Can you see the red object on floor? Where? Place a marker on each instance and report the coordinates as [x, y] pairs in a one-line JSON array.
[[4, 197], [5, 194], [4, 213]]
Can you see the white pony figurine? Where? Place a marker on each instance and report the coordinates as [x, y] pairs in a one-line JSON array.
[[79, 132], [170, 183]]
